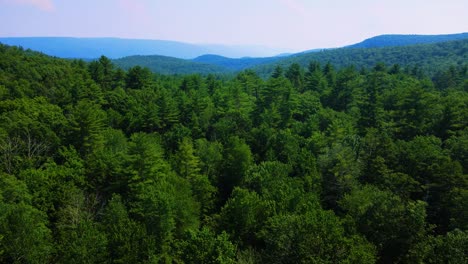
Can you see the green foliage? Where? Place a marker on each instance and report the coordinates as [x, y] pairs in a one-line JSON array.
[[244, 214], [203, 246], [127, 241], [138, 77], [386, 221], [23, 228], [188, 166], [237, 161], [313, 237], [79, 239], [320, 165], [449, 248], [87, 124], [31, 130], [26, 238], [339, 173]]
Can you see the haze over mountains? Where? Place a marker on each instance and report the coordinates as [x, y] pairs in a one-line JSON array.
[[405, 50], [90, 48], [169, 57]]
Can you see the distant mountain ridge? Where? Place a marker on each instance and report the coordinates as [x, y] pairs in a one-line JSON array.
[[91, 48], [390, 49], [205, 64], [406, 40], [429, 58]]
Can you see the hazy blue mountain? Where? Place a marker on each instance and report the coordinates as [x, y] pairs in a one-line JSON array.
[[161, 56], [405, 40], [168, 65], [234, 64], [66, 47], [428, 57]]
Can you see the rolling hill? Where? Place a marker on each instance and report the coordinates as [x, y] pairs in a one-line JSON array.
[[430, 52], [206, 64], [406, 40], [429, 57], [427, 51]]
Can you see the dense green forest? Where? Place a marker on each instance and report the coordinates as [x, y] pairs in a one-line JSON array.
[[323, 165]]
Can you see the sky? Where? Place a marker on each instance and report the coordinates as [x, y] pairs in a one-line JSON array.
[[294, 25]]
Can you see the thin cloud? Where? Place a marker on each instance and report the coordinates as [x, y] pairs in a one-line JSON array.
[[133, 5], [44, 5], [296, 7], [138, 10]]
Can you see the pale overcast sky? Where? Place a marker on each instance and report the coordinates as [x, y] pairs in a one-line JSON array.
[[292, 24]]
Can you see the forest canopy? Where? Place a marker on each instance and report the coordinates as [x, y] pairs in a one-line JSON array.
[[319, 165]]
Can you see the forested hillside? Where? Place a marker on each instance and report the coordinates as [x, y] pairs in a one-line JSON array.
[[331, 164], [427, 58], [405, 40], [204, 65]]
